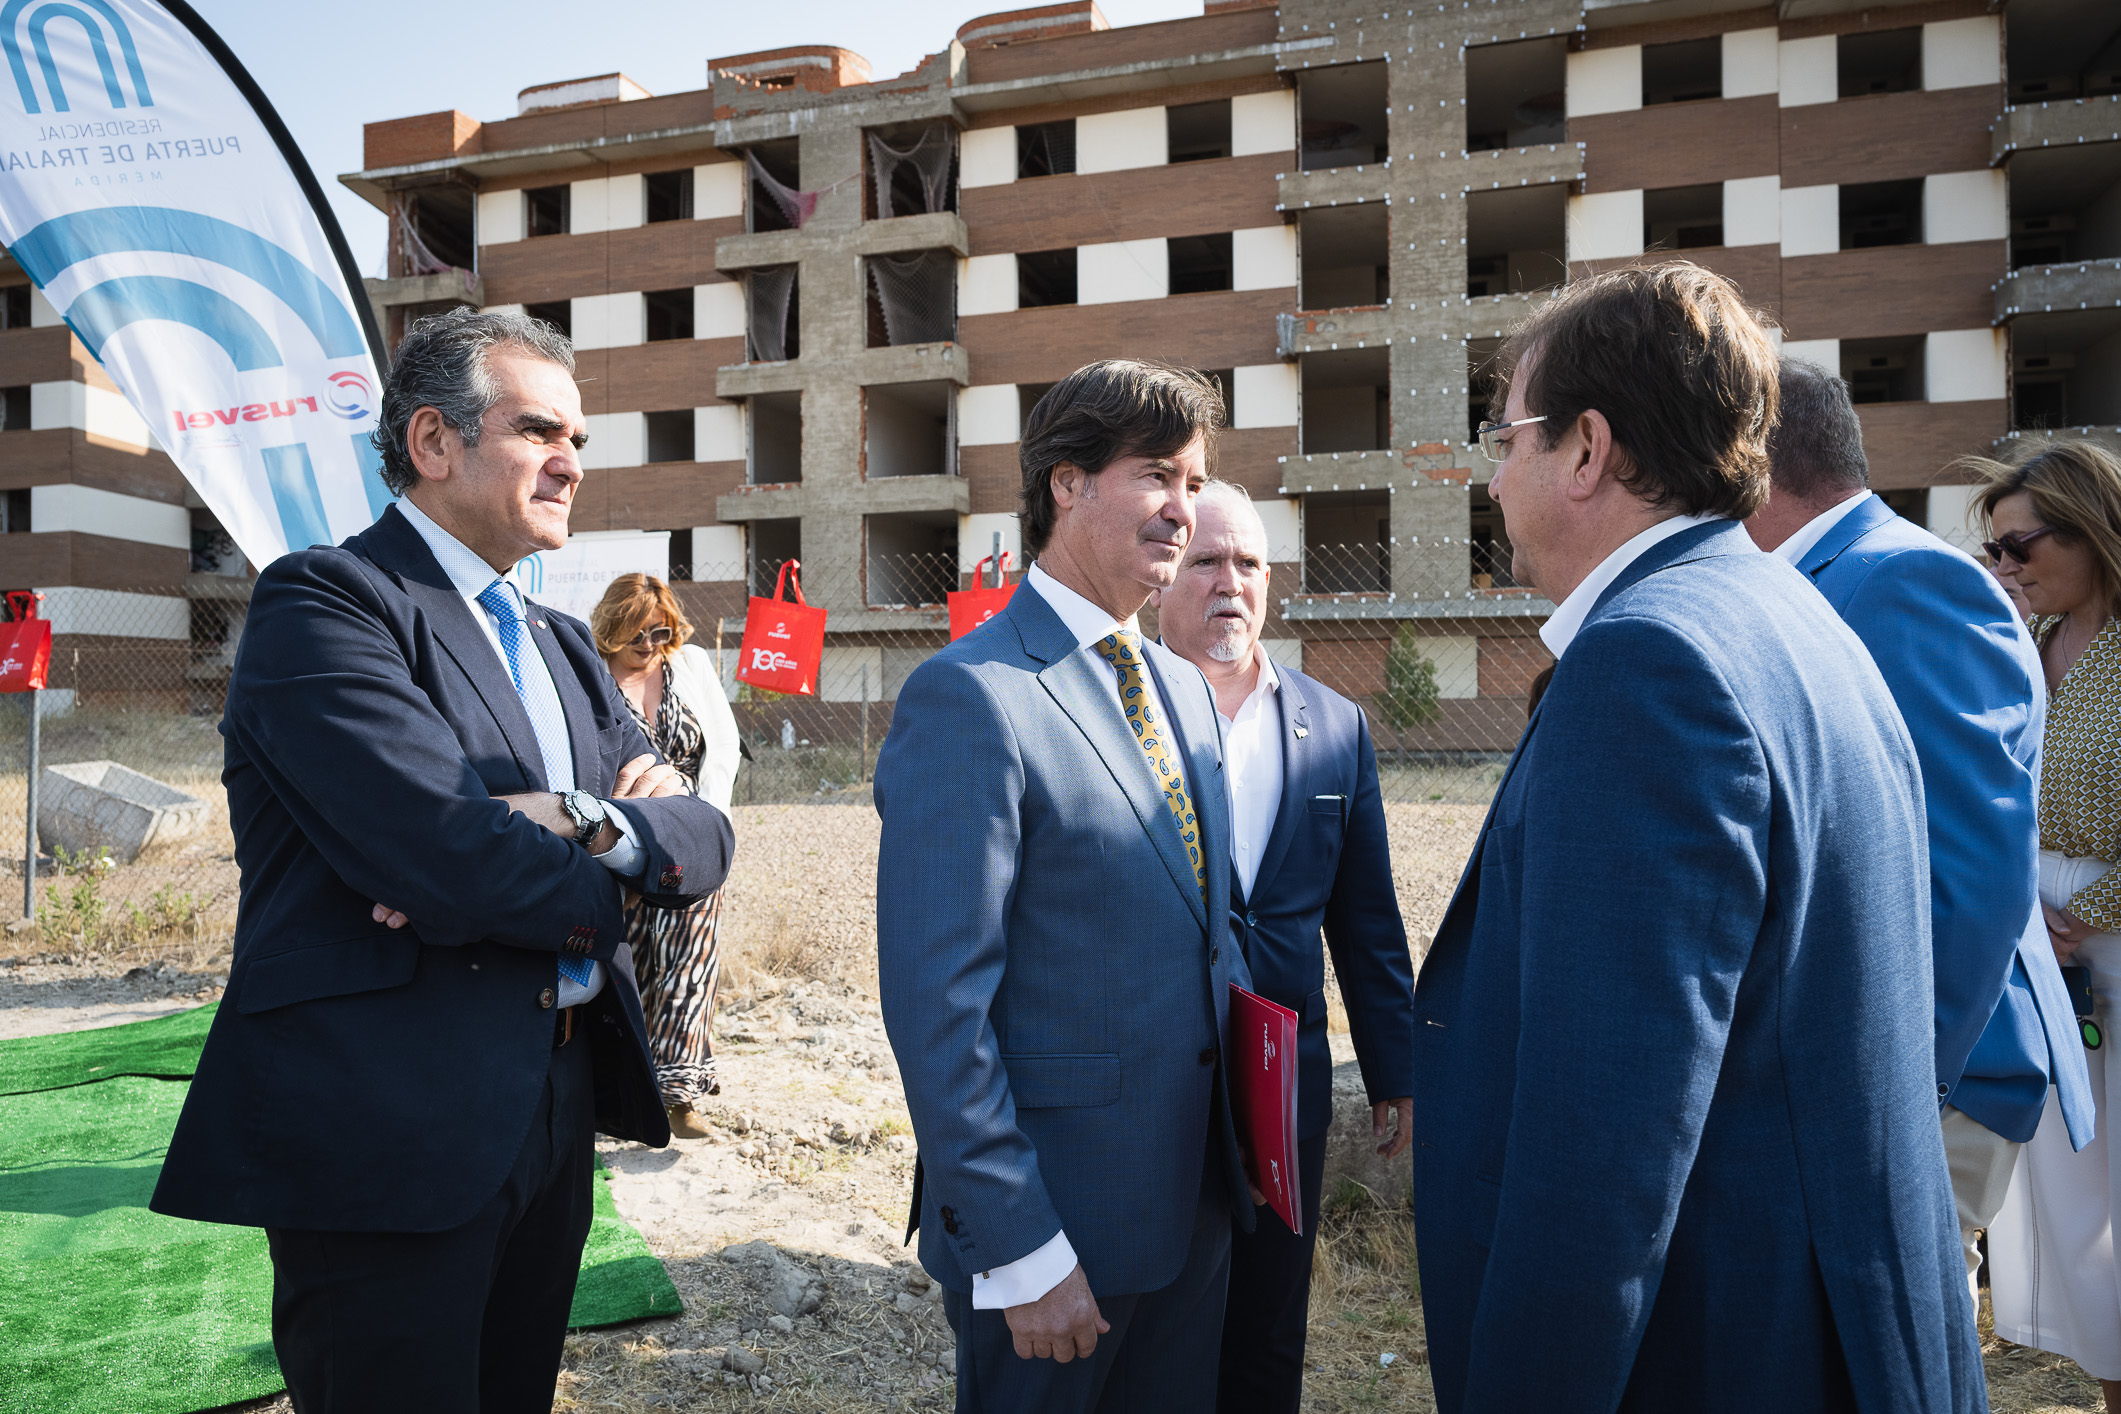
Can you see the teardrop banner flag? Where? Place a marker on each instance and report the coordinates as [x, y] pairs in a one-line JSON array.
[[150, 191]]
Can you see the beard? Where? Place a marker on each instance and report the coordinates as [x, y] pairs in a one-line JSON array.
[[1226, 636]]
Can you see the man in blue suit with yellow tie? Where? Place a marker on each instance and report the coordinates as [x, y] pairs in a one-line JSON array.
[[1053, 946], [1966, 677]]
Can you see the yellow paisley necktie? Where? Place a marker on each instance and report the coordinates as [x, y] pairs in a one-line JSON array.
[[1123, 651]]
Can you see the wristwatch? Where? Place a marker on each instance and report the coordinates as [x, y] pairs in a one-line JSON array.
[[588, 814]]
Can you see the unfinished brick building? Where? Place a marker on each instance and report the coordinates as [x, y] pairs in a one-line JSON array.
[[813, 305]]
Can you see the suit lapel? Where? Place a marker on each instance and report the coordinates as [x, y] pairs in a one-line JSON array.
[[1851, 528], [1296, 757], [575, 705]]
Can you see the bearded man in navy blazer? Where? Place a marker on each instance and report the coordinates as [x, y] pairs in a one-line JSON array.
[[1053, 937], [1967, 680], [1676, 1141], [439, 800], [1309, 859]]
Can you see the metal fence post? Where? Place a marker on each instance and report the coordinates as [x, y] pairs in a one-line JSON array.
[[33, 699]]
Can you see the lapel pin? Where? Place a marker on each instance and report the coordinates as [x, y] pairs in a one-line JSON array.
[[1302, 732]]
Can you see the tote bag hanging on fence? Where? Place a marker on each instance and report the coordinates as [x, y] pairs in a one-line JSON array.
[[969, 608], [25, 644], [783, 642]]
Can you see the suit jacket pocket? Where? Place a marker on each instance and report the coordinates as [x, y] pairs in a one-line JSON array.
[[611, 741], [1054, 1082], [365, 964]]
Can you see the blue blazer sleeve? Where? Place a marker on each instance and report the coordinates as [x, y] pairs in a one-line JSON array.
[[949, 786], [1946, 643], [1627, 993], [1368, 940], [378, 782]]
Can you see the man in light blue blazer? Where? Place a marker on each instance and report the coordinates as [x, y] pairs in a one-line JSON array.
[[1053, 937], [1676, 1142], [1967, 680]]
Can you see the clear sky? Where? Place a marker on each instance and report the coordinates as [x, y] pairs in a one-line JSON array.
[[393, 58]]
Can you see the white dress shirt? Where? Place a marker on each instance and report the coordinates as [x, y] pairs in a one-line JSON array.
[[1252, 766], [1560, 631], [1799, 545], [1028, 1278], [470, 575]]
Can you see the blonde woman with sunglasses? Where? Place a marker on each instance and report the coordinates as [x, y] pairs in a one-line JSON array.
[[2054, 527]]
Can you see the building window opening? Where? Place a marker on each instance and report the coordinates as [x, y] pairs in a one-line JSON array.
[[1683, 72], [1347, 401], [1199, 263], [559, 314], [669, 314], [2042, 240], [1045, 149], [14, 307], [776, 176], [670, 435], [1514, 94], [1045, 277], [1027, 398], [430, 230], [1225, 381], [680, 553], [772, 543], [14, 408], [1881, 213], [912, 298], [1341, 115], [907, 430], [772, 310], [669, 195], [1488, 543], [14, 515], [545, 211], [1682, 218], [2049, 57], [912, 559], [912, 170], [1884, 61], [2062, 370], [1516, 240], [1197, 132], [1347, 542], [1345, 256], [775, 422], [2040, 391], [2065, 204], [1883, 370]]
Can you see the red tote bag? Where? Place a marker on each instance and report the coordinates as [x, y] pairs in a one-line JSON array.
[[969, 608], [25, 644], [783, 642]]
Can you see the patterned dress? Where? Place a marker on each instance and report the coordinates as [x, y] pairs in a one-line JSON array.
[[674, 949], [2080, 771]]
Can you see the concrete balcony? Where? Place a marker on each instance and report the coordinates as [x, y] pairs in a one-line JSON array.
[[2068, 122], [913, 363], [783, 501], [1321, 330], [1495, 168], [2048, 289], [452, 286], [756, 248], [1334, 186], [2107, 437], [884, 496], [937, 230], [1493, 316], [1344, 471], [742, 380]]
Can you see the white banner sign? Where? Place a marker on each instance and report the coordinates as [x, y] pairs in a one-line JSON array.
[[148, 188], [573, 577]]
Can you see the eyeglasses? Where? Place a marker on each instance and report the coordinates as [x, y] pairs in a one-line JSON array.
[[650, 637], [1491, 444], [2013, 545]]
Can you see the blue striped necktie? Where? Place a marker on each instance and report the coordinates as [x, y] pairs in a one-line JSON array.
[[499, 600]]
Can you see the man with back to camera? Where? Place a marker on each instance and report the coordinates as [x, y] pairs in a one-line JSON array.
[[1308, 854], [1967, 679], [1675, 1122], [1053, 944], [439, 799]]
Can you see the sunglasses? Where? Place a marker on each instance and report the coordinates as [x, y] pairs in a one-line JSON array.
[[650, 637], [2013, 546]]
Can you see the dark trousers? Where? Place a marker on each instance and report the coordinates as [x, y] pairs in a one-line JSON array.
[[468, 1321], [1158, 1358], [1270, 1302]]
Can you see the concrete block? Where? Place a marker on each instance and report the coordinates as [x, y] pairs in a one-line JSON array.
[[615, 439], [1963, 53], [41, 313], [1808, 71], [610, 321], [1966, 365], [1965, 206], [1811, 220], [1115, 271], [988, 415], [1821, 353], [986, 284], [1283, 521], [718, 191], [103, 808], [718, 310], [1605, 81], [95, 410], [589, 206], [1263, 258], [1749, 65], [1752, 211], [718, 554], [975, 539], [499, 217], [64, 506], [1114, 142], [1269, 394], [986, 157], [718, 433], [1605, 225], [1263, 122]]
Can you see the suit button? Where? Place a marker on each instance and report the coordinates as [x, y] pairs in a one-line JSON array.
[[1251, 920], [947, 1215], [1943, 1089], [546, 999], [950, 1226], [1209, 1056]]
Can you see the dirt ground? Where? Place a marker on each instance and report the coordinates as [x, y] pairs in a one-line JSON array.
[[782, 1229]]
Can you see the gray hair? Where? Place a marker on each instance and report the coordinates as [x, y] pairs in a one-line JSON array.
[[1815, 448], [1237, 502], [442, 365]]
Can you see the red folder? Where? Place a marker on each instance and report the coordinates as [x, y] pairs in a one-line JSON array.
[[1263, 1077]]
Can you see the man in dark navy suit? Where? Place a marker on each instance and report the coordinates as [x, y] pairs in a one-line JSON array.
[[1308, 854], [439, 801]]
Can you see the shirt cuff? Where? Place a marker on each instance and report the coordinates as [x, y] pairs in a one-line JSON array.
[[1026, 1279], [624, 858]]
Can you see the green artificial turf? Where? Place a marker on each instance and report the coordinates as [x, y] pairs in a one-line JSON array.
[[106, 1308]]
